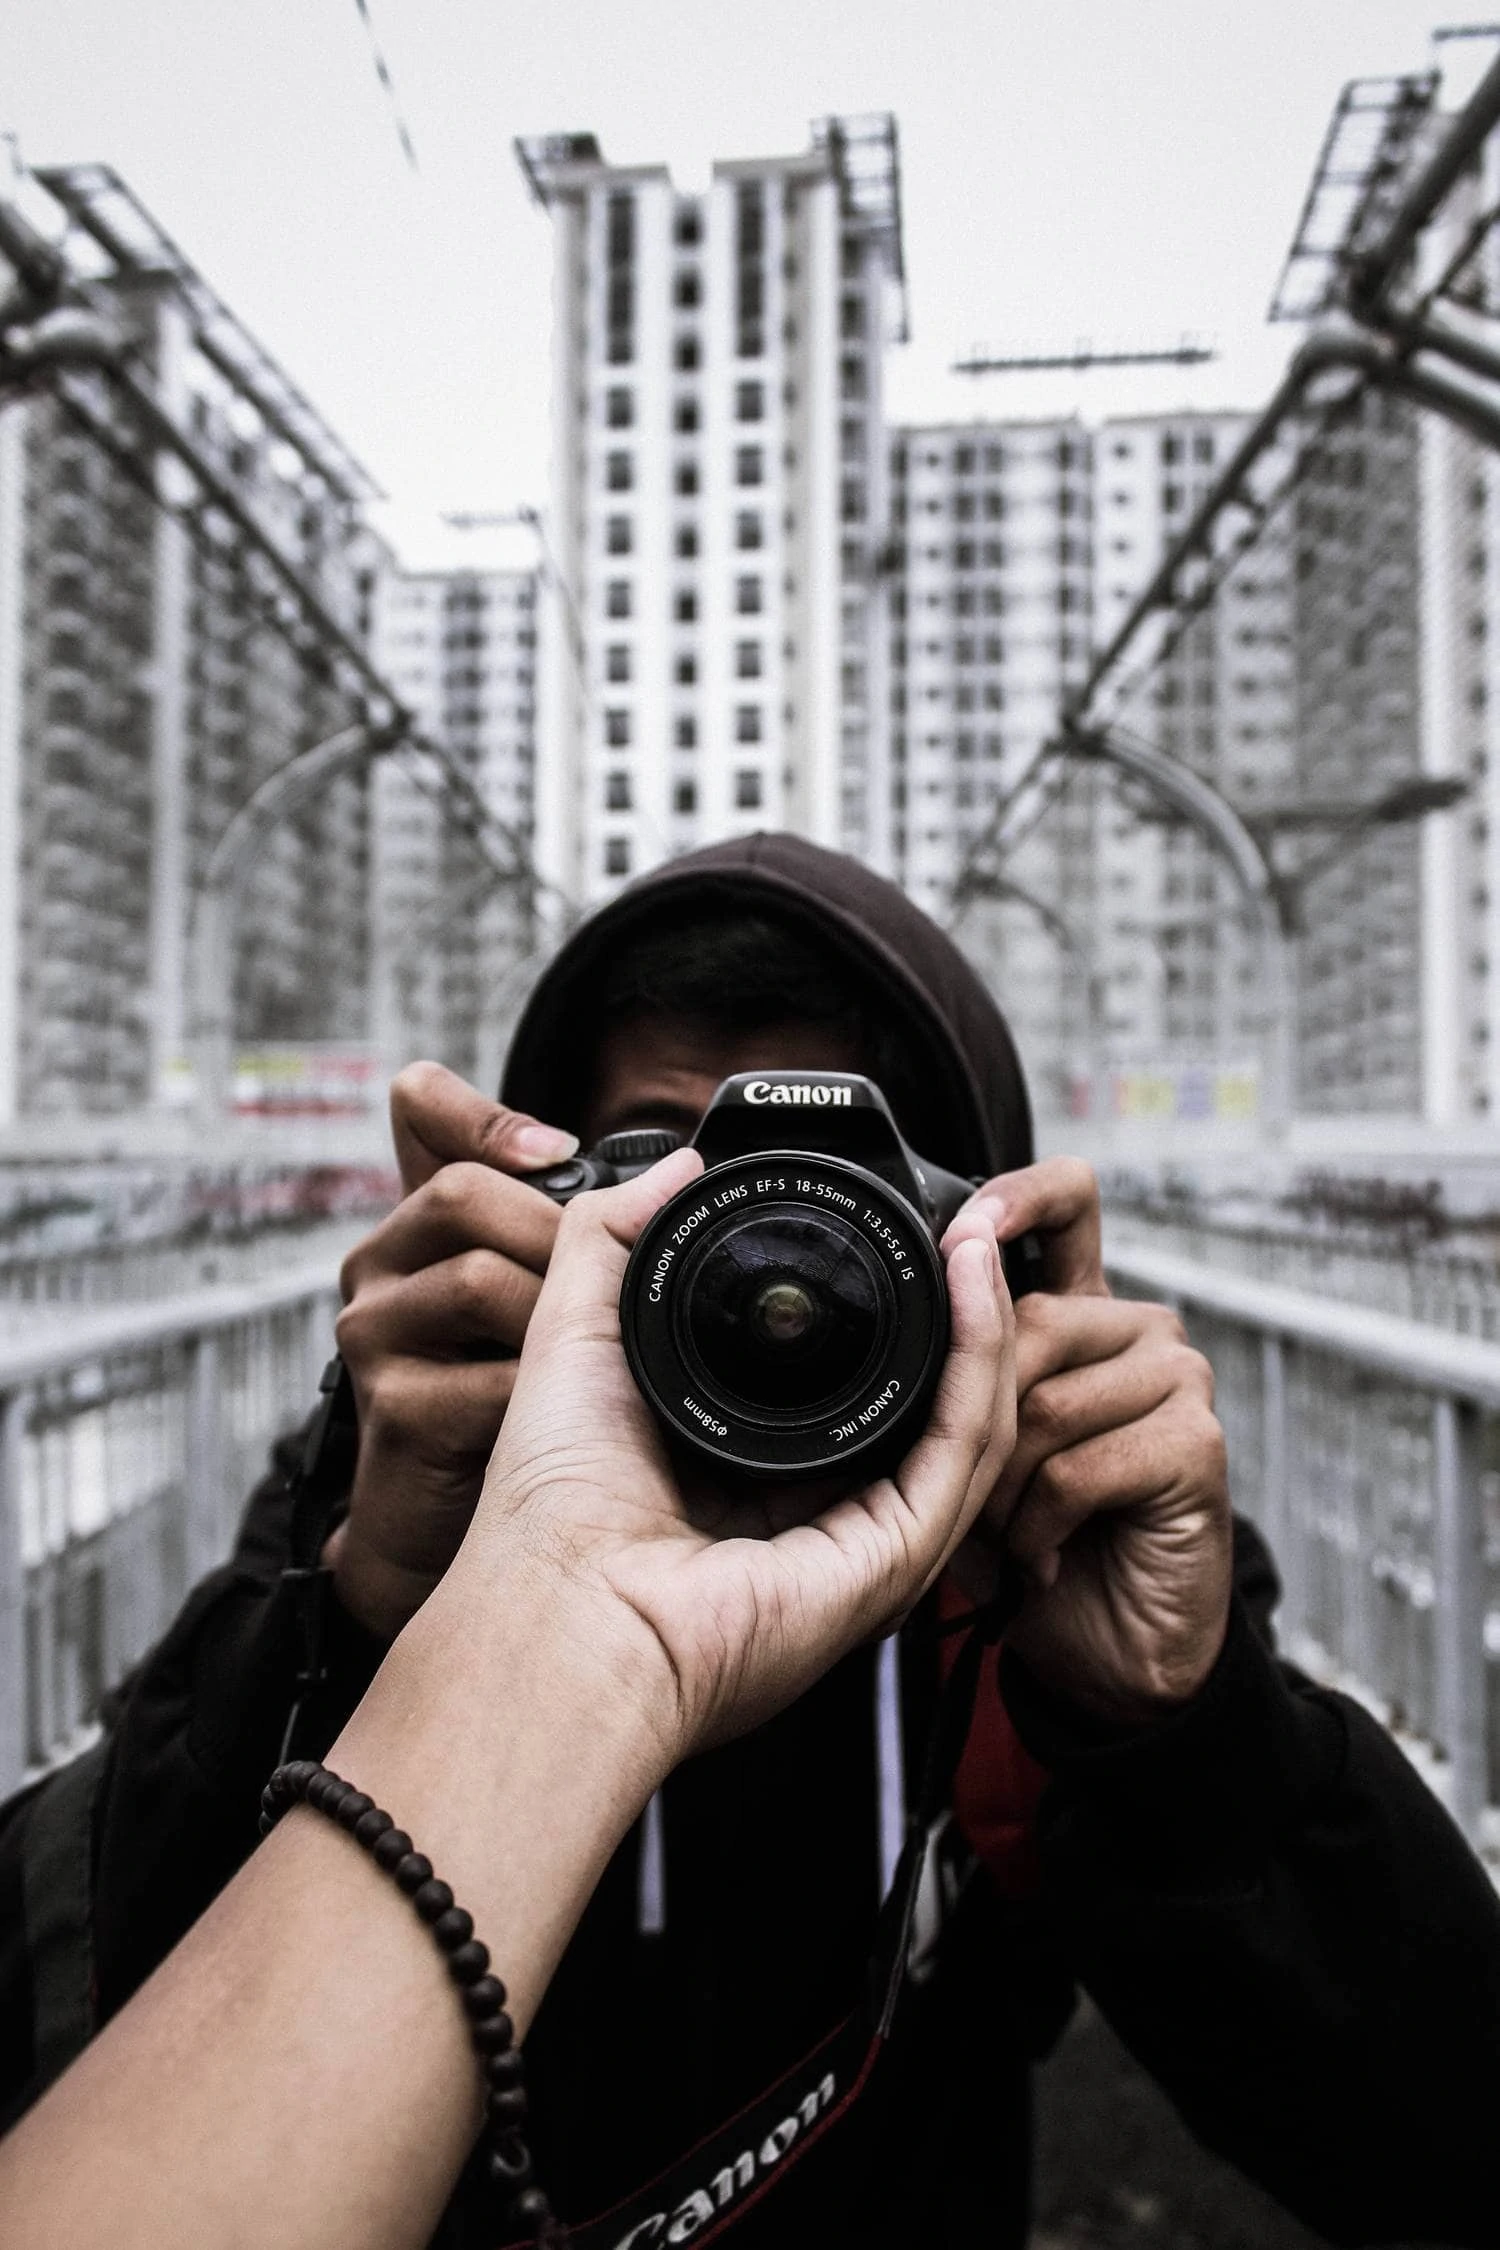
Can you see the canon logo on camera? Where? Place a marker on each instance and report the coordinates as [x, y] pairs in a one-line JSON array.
[[779, 1091]]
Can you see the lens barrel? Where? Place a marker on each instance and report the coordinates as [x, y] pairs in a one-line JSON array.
[[787, 1316]]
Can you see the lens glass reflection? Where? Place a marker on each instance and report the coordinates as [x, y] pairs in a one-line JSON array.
[[785, 1312]]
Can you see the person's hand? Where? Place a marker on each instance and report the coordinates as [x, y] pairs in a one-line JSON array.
[[732, 1618], [1115, 1499], [440, 1288]]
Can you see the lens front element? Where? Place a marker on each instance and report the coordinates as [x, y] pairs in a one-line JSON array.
[[787, 1314]]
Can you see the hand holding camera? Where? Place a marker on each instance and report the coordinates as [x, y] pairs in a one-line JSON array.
[[734, 1624]]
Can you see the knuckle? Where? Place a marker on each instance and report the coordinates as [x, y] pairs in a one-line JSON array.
[[414, 1085], [473, 1277], [1043, 1414], [351, 1330], [452, 1193]]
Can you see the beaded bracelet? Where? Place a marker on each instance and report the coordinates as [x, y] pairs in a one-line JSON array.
[[508, 2163]]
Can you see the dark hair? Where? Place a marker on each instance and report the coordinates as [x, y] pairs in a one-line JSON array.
[[742, 971]]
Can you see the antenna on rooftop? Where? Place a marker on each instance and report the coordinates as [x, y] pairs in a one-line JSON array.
[[1188, 351]]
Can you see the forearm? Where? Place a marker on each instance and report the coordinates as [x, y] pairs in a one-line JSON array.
[[302, 2057]]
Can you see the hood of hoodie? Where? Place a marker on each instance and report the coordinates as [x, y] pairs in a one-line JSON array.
[[959, 1041]]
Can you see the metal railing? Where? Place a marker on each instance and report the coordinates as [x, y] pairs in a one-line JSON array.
[[1365, 1446], [128, 1441]]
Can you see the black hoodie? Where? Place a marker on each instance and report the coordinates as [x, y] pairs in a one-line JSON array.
[[1258, 1892]]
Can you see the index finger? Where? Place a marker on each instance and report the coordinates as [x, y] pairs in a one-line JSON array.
[[437, 1118], [1058, 1201]]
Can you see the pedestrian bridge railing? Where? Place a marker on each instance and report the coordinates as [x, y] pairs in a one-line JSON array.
[[1366, 1446], [128, 1441]]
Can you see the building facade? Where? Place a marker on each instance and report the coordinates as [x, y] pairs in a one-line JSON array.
[[144, 694], [991, 625], [715, 627], [459, 649]]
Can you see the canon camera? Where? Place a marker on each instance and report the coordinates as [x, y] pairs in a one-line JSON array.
[[786, 1315]]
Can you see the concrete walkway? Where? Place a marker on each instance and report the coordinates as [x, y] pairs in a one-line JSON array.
[[1116, 2170]]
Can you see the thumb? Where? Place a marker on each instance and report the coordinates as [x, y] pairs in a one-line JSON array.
[[437, 1118], [581, 1294]]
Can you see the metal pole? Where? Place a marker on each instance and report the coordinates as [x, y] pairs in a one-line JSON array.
[[1276, 1497], [14, 1407], [1379, 266], [1459, 1672]]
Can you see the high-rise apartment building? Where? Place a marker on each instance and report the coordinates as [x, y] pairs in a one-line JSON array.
[[714, 629], [1181, 978], [144, 695], [990, 604], [459, 648]]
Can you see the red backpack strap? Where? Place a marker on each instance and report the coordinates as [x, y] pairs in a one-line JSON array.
[[999, 1785]]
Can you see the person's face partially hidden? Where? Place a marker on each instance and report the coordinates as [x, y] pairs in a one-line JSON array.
[[652, 1071]]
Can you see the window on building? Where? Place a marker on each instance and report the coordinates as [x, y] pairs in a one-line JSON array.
[[851, 316], [687, 289], [747, 660], [685, 732], [994, 458], [747, 596], [617, 661], [687, 227], [685, 479], [619, 281], [685, 543], [747, 723], [618, 535], [964, 554], [617, 855], [685, 417], [749, 402], [685, 605], [749, 464], [617, 598], [617, 792], [747, 789], [747, 528], [1203, 446], [964, 506], [963, 460], [750, 269], [685, 670], [851, 377], [617, 729], [684, 796], [619, 472], [619, 408], [1171, 447], [685, 354]]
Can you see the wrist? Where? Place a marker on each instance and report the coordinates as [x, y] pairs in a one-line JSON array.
[[516, 1736]]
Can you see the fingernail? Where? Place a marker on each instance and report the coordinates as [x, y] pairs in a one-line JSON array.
[[543, 1144]]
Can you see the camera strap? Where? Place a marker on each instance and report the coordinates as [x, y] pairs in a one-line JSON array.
[[731, 2170], [318, 1487]]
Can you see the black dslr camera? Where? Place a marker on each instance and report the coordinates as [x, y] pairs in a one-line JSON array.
[[787, 1316]]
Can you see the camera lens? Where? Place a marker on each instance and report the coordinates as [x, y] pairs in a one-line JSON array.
[[786, 1316], [784, 1311]]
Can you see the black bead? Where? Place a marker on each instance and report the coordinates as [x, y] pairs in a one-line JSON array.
[[267, 1821], [432, 1898], [324, 1791], [466, 1966], [484, 1996], [453, 1929], [507, 2068], [412, 1872], [353, 1806], [295, 1777], [506, 2107], [371, 1826], [391, 1849], [510, 2162], [492, 2033]]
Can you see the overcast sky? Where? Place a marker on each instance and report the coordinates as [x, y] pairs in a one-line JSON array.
[[1121, 169]]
